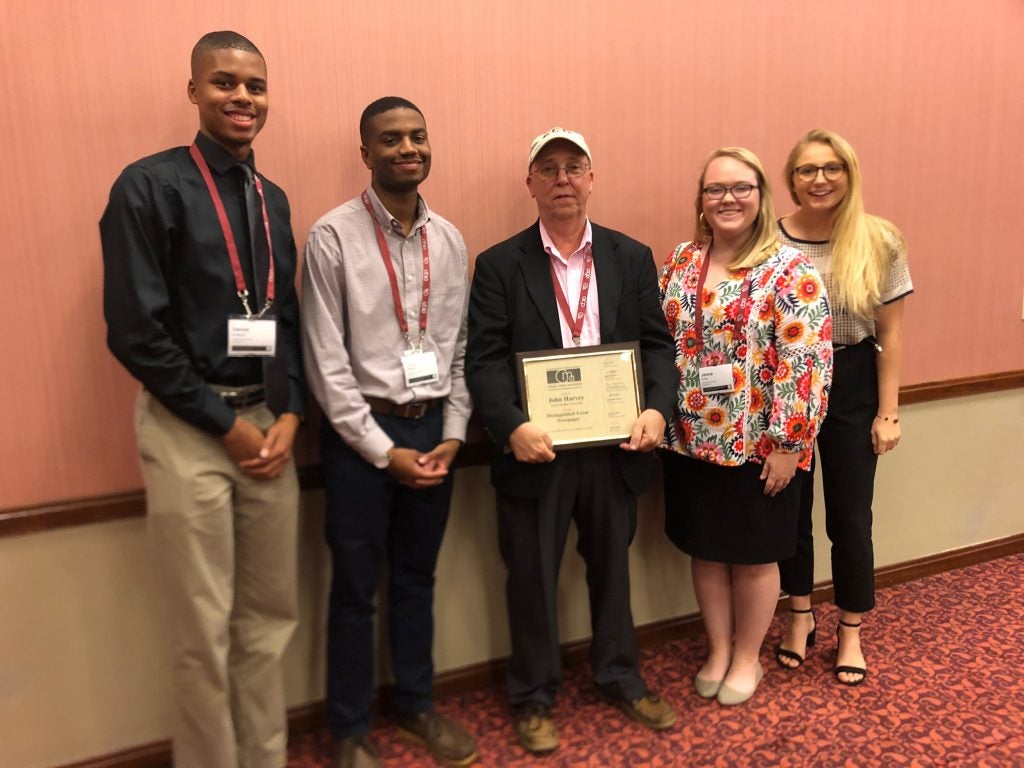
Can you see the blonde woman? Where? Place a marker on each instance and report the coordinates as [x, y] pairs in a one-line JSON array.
[[864, 264], [754, 355]]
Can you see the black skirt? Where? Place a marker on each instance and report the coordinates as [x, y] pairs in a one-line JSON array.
[[721, 514]]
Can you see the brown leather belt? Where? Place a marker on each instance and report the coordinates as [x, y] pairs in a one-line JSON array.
[[405, 411]]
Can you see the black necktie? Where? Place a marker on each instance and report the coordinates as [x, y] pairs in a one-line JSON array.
[[275, 369], [257, 239]]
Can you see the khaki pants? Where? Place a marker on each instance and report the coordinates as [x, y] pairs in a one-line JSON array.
[[225, 549]]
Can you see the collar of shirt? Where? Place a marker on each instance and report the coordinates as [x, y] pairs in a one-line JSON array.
[[389, 223], [218, 158], [586, 242]]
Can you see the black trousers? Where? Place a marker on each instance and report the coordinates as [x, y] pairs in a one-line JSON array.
[[848, 481], [587, 488]]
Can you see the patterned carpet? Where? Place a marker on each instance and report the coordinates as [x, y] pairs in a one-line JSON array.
[[945, 688]]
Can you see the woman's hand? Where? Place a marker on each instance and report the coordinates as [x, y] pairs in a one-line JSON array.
[[885, 434], [779, 468]]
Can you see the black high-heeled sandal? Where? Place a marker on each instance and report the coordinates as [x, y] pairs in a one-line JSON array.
[[845, 668], [784, 653]]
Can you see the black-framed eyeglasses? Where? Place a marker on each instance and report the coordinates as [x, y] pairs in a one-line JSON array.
[[550, 171], [832, 171], [718, 191]]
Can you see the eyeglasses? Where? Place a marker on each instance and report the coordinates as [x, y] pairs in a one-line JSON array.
[[739, 191], [832, 171], [550, 171]]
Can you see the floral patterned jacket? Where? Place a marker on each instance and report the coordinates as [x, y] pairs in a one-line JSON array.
[[779, 344]]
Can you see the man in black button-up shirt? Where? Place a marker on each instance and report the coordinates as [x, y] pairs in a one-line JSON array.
[[215, 432]]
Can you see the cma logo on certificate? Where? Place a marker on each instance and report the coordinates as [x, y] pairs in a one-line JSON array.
[[564, 375]]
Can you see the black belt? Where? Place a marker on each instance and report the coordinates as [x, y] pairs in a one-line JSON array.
[[241, 397], [404, 411], [866, 340]]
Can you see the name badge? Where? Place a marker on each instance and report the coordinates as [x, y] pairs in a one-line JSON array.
[[716, 378], [420, 367], [252, 336]]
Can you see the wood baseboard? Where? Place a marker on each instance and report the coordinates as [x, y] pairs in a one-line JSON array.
[[969, 385], [310, 717], [154, 755]]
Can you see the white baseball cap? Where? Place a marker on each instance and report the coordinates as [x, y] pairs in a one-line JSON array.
[[553, 135]]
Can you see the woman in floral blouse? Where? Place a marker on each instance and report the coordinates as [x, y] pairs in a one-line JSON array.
[[755, 361]]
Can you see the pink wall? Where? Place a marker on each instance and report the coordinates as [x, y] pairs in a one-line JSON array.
[[928, 91]]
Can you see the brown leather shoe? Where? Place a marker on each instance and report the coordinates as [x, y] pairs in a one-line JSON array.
[[535, 728], [446, 740], [356, 752], [650, 710]]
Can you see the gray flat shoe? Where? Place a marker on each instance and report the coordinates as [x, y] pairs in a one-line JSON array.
[[730, 697], [706, 689]]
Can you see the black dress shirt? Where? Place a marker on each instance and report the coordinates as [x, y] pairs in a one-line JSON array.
[[168, 287]]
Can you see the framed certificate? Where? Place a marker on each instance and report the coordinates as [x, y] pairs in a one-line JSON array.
[[583, 396]]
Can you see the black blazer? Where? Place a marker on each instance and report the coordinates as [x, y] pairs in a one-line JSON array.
[[512, 308]]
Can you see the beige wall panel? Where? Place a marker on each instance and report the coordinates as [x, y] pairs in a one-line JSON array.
[[957, 477]]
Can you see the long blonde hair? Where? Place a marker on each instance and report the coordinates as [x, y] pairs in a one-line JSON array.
[[861, 244], [763, 242]]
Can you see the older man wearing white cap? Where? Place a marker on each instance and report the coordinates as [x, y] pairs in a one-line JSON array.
[[562, 283]]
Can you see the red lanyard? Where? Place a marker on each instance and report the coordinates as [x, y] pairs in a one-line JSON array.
[[229, 238], [698, 306], [385, 254], [575, 324]]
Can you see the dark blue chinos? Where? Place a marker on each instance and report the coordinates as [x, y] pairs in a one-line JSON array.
[[372, 518]]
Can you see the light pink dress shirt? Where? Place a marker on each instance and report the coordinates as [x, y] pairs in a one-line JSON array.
[[569, 271]]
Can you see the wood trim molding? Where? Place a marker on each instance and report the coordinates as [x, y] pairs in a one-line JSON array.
[[310, 717], [62, 514], [156, 754], [929, 565], [101, 509], [970, 385], [477, 451], [65, 513]]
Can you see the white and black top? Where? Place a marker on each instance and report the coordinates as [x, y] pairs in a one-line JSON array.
[[847, 328]]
